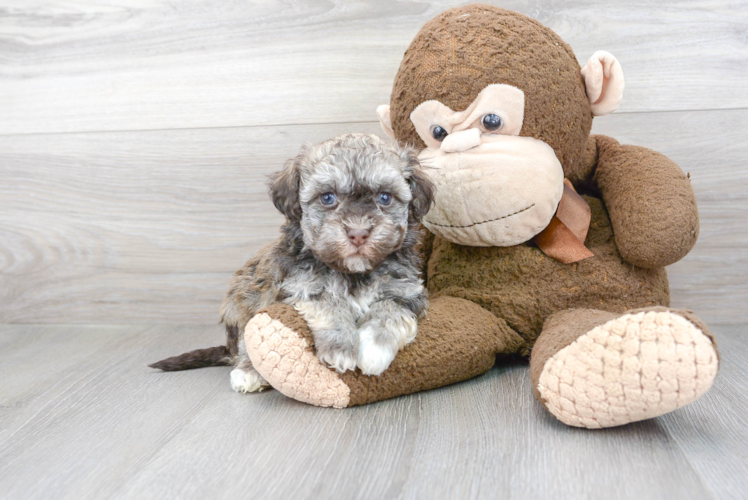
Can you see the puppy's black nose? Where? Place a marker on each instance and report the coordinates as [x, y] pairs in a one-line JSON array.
[[358, 236]]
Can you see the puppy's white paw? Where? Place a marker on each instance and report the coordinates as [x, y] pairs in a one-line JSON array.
[[373, 358], [247, 381], [341, 361]]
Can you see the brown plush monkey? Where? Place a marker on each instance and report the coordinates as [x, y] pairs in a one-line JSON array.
[[518, 263]]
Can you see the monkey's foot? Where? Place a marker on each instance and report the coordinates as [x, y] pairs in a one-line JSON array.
[[286, 360], [633, 367]]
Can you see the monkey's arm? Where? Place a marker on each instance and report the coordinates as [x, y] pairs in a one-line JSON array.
[[650, 201], [456, 341]]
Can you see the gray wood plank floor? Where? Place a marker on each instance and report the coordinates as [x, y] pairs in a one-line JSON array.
[[83, 417]]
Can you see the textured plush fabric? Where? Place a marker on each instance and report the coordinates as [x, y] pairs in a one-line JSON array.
[[284, 356], [631, 367], [581, 174], [523, 286], [504, 100], [478, 204], [559, 331], [651, 202], [463, 50]]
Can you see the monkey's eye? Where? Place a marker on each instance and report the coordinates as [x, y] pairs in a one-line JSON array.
[[492, 122], [327, 199], [384, 199], [438, 133]]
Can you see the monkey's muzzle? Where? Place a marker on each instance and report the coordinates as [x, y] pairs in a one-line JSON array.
[[501, 192]]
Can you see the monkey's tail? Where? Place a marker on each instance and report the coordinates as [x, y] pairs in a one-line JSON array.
[[212, 356]]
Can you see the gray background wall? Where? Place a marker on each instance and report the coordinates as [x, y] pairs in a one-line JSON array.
[[135, 136]]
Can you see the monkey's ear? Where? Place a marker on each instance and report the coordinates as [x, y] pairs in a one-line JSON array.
[[284, 189], [603, 78], [383, 112]]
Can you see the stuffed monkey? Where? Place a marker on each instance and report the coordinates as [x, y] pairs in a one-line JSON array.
[[544, 242]]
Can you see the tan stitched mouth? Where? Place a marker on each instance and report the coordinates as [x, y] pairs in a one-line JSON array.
[[481, 222]]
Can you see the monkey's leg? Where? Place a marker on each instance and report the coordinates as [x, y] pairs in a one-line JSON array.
[[599, 369], [457, 340]]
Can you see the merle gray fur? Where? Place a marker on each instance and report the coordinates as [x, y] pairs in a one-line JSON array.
[[361, 300]]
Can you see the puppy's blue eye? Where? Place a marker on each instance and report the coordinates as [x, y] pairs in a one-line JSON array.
[[438, 133], [384, 199], [492, 122], [327, 199]]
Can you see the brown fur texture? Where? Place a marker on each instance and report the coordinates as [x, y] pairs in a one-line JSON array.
[[652, 206], [199, 358], [461, 51], [524, 286]]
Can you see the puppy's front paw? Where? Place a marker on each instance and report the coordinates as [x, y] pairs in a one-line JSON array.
[[247, 381], [374, 358], [339, 359]]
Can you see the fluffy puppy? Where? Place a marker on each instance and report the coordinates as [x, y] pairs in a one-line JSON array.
[[346, 259]]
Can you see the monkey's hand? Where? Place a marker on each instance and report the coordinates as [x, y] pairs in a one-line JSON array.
[[650, 201]]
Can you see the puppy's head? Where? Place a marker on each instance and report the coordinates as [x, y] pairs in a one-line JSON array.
[[355, 197]]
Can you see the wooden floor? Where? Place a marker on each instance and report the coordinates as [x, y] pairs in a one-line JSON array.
[[83, 417], [135, 140]]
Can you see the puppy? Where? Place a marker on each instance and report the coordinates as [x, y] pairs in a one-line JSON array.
[[346, 259]]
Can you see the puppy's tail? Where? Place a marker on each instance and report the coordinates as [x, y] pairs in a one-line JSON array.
[[212, 356]]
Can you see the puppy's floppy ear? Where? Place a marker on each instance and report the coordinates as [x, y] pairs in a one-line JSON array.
[[423, 194], [421, 186], [284, 189]]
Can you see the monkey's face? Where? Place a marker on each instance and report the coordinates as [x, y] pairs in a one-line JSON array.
[[493, 188], [521, 111]]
